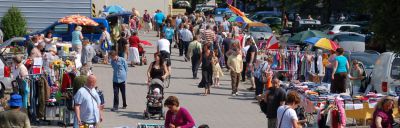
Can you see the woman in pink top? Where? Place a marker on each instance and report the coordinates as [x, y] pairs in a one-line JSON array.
[[177, 117]]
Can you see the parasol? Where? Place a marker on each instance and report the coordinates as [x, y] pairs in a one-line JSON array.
[[302, 36], [322, 43], [236, 10], [241, 19], [272, 43], [256, 24], [114, 9], [232, 19], [79, 20]]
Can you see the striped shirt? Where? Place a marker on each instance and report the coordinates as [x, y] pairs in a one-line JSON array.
[[209, 35]]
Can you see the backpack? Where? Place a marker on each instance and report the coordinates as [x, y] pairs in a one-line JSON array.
[[196, 50], [146, 18]]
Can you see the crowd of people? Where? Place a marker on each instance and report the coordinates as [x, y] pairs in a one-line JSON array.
[[213, 46]]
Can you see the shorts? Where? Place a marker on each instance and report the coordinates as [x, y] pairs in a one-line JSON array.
[[166, 56], [158, 26]]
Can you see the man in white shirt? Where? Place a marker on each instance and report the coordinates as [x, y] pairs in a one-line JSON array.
[[163, 46]]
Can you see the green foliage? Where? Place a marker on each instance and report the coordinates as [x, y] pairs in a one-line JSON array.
[[13, 23], [385, 23]]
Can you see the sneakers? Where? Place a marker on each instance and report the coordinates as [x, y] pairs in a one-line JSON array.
[[124, 107]]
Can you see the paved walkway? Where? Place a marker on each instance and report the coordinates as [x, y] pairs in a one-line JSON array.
[[218, 110]]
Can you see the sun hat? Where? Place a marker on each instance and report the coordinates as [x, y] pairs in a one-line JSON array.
[[15, 100]]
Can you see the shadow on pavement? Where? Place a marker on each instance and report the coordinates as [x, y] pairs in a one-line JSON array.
[[136, 115], [174, 77], [142, 84], [197, 93], [177, 60], [188, 68]]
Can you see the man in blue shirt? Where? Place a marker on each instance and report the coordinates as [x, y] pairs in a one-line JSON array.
[[159, 18], [120, 68], [87, 104]]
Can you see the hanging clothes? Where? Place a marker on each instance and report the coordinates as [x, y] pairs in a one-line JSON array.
[[44, 94], [26, 90], [66, 82]]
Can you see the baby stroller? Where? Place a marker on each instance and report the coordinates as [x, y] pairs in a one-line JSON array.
[[155, 96], [142, 56]]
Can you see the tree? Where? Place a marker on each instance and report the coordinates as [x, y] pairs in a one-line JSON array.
[[385, 23], [14, 24]]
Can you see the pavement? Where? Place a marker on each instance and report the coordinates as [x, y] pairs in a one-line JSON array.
[[218, 110]]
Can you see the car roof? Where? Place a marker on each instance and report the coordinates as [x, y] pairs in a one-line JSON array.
[[345, 25]]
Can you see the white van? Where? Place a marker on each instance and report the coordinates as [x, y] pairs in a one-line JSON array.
[[385, 77]]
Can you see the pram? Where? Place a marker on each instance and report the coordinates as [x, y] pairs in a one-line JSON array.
[[142, 55], [154, 104]]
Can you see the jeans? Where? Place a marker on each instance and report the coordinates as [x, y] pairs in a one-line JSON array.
[[259, 86], [117, 87], [180, 46], [195, 65], [235, 77], [328, 73], [272, 122], [244, 71], [121, 54], [186, 47]]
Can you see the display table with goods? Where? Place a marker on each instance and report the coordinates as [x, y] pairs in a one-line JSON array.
[[316, 99], [47, 90]]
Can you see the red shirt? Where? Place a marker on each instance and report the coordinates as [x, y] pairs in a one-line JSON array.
[[134, 41]]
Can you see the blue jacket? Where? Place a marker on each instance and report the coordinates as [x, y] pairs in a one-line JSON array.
[[120, 68]]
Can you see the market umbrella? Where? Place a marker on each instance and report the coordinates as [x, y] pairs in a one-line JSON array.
[[302, 36], [272, 43], [269, 43], [236, 10], [242, 19], [79, 20], [147, 43], [232, 19], [256, 24], [322, 43], [114, 9]]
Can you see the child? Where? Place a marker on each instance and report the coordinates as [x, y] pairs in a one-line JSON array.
[[155, 98], [217, 71]]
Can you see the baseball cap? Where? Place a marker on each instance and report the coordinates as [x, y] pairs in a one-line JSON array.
[[15, 100]]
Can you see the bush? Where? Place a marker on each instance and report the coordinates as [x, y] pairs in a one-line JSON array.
[[14, 24]]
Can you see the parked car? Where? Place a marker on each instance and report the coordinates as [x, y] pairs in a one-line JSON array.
[[350, 41], [64, 31], [260, 32], [332, 29], [302, 25], [261, 14], [367, 59], [386, 74], [271, 21], [181, 4], [6, 61]]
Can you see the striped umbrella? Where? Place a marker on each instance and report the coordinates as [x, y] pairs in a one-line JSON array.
[[322, 43]]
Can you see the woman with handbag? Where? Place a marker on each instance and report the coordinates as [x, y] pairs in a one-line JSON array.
[[286, 115]]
